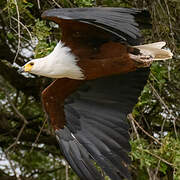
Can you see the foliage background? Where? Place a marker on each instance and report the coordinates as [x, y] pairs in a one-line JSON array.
[[28, 148]]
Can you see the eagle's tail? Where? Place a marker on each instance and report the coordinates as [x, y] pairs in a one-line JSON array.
[[155, 51]]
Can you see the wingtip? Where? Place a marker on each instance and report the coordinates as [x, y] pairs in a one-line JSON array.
[[49, 13], [44, 14]]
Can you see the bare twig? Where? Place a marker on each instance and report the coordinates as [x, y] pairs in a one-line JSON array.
[[17, 138], [11, 165], [103, 173], [19, 30], [157, 170], [174, 119], [9, 17], [175, 130], [159, 97], [172, 36], [30, 35], [162, 127], [39, 5], [166, 107], [145, 132], [158, 157], [160, 4], [133, 125], [37, 138], [25, 122], [56, 4], [66, 169], [170, 25], [13, 106], [16, 110]]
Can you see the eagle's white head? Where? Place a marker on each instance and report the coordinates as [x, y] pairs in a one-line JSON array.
[[60, 63]]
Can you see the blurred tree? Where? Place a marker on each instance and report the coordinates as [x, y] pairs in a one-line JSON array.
[[28, 148]]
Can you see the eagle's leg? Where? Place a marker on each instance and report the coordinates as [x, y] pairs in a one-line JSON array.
[[53, 99]]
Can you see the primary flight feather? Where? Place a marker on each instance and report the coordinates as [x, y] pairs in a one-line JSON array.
[[98, 83]]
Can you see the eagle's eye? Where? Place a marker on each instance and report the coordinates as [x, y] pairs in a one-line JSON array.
[[31, 63]]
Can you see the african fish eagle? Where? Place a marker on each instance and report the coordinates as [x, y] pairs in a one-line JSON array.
[[100, 71]]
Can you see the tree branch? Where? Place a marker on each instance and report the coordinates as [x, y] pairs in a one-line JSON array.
[[29, 86]]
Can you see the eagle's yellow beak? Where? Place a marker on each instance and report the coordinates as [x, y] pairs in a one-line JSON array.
[[28, 67]]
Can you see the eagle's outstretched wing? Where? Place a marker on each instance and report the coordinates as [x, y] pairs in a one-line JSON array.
[[95, 126], [120, 24]]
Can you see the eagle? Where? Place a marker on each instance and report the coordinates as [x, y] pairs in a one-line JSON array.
[[100, 69]]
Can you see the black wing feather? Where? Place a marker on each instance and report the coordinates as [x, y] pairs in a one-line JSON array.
[[96, 126], [77, 156], [122, 22]]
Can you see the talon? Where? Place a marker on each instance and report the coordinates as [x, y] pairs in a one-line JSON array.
[[142, 60]]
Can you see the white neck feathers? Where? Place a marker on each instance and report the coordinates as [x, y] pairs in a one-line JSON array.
[[59, 63]]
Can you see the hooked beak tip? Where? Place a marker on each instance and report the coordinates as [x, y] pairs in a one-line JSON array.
[[21, 70]]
